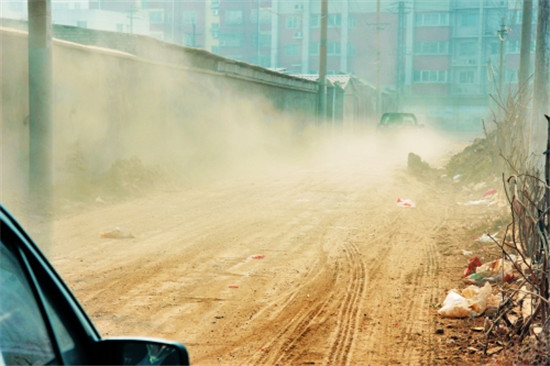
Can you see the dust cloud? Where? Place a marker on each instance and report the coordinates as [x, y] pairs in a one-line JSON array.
[[125, 127]]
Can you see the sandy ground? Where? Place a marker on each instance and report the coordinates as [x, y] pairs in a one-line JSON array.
[[312, 264]]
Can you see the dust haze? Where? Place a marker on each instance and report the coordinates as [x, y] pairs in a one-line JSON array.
[[126, 127]]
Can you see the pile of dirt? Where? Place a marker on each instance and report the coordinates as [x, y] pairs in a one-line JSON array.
[[80, 183], [476, 163], [128, 178]]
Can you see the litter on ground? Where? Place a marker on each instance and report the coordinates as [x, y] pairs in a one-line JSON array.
[[405, 202], [473, 203], [116, 233], [471, 302], [486, 238], [489, 192], [473, 263], [499, 270]]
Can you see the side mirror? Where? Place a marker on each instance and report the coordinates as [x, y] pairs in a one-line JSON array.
[[128, 351]]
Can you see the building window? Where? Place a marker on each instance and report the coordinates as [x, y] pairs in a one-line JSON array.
[[189, 17], [60, 6], [265, 39], [292, 49], [352, 21], [430, 76], [189, 40], [233, 17], [19, 6], [292, 22], [334, 20], [494, 48], [334, 48], [431, 48], [466, 49], [513, 46], [315, 21], [231, 39], [156, 16], [511, 76], [431, 19], [466, 77], [314, 48], [468, 19], [351, 50], [265, 16]]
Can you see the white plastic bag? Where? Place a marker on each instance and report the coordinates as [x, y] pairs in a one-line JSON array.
[[455, 306]]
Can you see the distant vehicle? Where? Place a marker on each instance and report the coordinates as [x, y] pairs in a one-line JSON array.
[[397, 120], [41, 322]]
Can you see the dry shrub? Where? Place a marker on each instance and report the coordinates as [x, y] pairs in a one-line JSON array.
[[522, 321]]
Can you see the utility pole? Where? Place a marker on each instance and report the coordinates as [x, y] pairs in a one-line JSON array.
[[400, 62], [194, 36], [525, 51], [502, 34], [258, 56], [323, 61], [40, 117], [378, 66], [524, 71], [541, 83]]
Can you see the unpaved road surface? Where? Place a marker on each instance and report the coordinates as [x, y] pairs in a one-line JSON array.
[[310, 265]]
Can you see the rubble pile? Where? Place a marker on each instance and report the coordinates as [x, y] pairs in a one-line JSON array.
[[476, 163]]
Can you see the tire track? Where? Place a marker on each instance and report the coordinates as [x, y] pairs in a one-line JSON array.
[[307, 326], [348, 313]]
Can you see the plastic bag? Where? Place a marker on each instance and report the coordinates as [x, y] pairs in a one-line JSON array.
[[498, 270], [473, 263], [455, 306], [472, 302]]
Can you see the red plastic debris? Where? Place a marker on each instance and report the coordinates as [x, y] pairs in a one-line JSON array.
[[233, 286], [509, 277], [258, 256], [473, 263], [405, 203], [489, 192]]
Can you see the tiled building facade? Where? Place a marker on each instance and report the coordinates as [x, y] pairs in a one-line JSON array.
[[443, 56]]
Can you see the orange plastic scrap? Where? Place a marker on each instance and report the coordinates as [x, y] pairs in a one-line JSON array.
[[116, 233], [258, 256], [405, 202], [489, 192]]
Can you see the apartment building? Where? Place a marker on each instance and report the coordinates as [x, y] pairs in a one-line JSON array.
[[457, 50], [441, 56], [118, 16]]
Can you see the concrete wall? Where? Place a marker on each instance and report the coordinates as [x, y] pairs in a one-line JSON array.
[[111, 104]]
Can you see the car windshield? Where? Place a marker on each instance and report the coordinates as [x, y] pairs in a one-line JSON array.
[[275, 181], [398, 119]]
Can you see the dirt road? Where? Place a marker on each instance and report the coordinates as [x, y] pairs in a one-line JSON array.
[[311, 264]]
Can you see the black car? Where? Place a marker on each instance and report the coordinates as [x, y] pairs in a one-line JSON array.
[[41, 322]]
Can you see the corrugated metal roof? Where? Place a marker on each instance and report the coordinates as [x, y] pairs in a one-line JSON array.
[[341, 80]]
